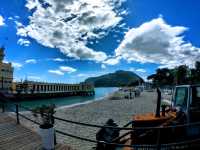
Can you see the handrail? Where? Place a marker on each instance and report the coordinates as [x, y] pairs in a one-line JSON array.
[[133, 145], [119, 128], [129, 123], [123, 135], [29, 119], [19, 114], [124, 128], [101, 142]]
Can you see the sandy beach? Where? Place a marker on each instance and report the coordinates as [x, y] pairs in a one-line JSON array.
[[97, 112]]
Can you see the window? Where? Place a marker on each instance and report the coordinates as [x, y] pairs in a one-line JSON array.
[[181, 96], [196, 94]]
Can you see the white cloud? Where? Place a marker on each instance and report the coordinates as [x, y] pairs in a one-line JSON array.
[[17, 17], [67, 69], [141, 70], [62, 70], [31, 61], [86, 75], [57, 72], [158, 42], [70, 24], [112, 61], [23, 42], [58, 59], [10, 18], [17, 65], [18, 24], [1, 21]]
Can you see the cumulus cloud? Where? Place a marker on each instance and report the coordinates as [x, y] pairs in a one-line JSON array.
[[67, 69], [31, 61], [158, 42], [70, 25], [23, 42], [57, 72], [112, 61], [62, 70], [1, 21]]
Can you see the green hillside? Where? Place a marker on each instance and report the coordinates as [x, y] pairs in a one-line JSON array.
[[116, 79]]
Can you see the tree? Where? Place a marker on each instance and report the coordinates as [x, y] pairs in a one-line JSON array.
[[182, 74], [179, 75], [197, 72], [162, 77]]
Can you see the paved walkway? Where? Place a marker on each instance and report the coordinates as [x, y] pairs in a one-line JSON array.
[[14, 137], [18, 137]]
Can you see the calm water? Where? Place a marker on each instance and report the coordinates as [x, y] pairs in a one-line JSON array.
[[99, 93]]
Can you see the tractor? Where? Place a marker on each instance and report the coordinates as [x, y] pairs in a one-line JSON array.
[[174, 126]]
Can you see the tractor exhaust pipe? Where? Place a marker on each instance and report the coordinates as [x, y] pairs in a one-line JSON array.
[[158, 103]]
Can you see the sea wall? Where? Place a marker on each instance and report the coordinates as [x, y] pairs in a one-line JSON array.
[[47, 95]]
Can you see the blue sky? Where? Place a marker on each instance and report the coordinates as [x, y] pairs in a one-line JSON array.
[[70, 40]]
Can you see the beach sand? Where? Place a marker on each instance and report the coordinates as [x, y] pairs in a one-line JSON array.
[[97, 112]]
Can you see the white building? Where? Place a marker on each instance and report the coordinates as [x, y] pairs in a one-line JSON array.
[[6, 73]]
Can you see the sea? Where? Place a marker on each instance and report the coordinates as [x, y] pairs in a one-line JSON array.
[[100, 93]]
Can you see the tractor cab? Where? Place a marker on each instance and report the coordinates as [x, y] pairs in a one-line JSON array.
[[186, 99], [171, 127]]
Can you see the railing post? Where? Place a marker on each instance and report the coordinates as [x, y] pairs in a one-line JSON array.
[[17, 113], [53, 121]]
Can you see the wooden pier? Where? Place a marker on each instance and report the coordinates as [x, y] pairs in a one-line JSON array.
[[30, 90], [18, 137]]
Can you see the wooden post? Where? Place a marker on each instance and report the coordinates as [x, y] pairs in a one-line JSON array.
[[17, 113], [158, 103]]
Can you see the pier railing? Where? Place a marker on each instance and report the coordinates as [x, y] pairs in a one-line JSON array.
[[184, 144]]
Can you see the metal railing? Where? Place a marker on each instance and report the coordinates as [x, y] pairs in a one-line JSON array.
[[156, 146]]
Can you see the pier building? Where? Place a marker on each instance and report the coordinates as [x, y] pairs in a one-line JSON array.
[[45, 87], [34, 90], [6, 73]]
